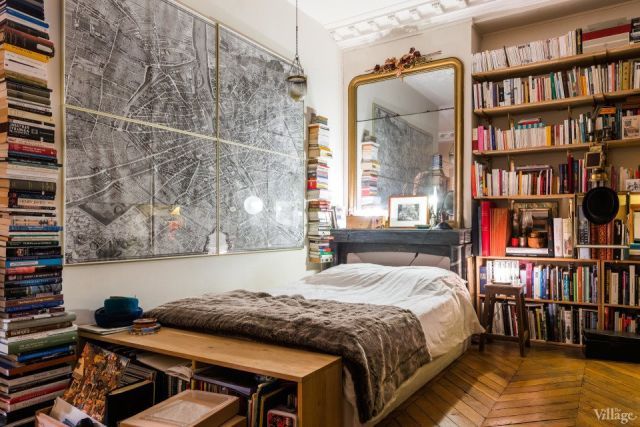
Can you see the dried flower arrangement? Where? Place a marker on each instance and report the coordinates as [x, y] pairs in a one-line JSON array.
[[406, 61]]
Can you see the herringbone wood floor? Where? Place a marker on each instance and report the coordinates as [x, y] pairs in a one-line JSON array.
[[551, 386]]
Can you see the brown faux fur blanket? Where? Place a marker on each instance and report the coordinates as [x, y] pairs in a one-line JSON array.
[[382, 346]]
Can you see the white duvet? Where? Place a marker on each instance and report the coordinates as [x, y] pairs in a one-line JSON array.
[[438, 297]]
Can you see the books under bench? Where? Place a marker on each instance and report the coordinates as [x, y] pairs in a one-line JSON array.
[[547, 322]]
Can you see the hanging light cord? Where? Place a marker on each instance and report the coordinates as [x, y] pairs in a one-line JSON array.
[[297, 58]]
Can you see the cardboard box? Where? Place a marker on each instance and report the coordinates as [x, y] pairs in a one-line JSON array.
[[191, 408]]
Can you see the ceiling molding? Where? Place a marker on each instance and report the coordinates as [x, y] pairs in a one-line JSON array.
[[379, 21]]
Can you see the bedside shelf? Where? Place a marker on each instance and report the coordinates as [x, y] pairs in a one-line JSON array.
[[540, 259]]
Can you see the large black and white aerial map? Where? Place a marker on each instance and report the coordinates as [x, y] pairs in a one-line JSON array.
[[143, 178]]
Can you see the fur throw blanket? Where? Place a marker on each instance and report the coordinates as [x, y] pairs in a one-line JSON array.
[[382, 346]]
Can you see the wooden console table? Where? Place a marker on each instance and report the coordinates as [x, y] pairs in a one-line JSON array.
[[319, 376]]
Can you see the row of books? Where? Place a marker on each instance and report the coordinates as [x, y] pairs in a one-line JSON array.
[[37, 339], [319, 206], [571, 283], [578, 81], [622, 285], [621, 320], [520, 180], [260, 397], [593, 38], [540, 50], [548, 322], [533, 132]]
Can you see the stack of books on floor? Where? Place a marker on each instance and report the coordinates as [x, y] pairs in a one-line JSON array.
[[37, 338], [320, 215], [261, 398]]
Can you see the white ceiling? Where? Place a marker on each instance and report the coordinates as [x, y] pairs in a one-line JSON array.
[[358, 22]]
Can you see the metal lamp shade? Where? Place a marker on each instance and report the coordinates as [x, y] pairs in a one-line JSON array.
[[297, 86]]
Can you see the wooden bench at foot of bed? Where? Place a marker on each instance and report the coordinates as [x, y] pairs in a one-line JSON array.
[[319, 376]]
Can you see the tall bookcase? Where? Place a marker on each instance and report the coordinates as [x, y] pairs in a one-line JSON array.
[[620, 152]]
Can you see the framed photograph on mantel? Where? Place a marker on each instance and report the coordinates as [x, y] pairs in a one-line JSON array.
[[408, 211]]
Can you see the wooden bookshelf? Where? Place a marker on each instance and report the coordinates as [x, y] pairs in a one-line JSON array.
[[560, 63], [618, 143], [586, 101], [556, 104]]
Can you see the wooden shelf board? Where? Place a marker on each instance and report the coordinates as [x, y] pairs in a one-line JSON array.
[[618, 143], [264, 359], [548, 301], [533, 341], [556, 104], [630, 307], [559, 63], [531, 150], [529, 197], [623, 261], [541, 259]]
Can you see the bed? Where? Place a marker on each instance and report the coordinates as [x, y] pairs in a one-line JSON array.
[[438, 297], [435, 299]]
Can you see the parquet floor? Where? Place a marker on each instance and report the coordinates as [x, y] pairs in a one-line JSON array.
[[551, 386]]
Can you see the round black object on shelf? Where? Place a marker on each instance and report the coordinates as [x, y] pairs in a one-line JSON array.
[[600, 205]]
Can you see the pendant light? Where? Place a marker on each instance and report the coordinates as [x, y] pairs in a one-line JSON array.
[[297, 80]]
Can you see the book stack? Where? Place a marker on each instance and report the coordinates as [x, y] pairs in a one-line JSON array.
[[369, 169], [319, 231], [606, 35], [318, 195], [37, 339]]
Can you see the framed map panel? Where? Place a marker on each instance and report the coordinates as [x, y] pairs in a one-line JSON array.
[[261, 195], [135, 191], [147, 60], [255, 108]]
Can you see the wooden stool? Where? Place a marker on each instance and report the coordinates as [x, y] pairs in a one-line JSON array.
[[522, 320]]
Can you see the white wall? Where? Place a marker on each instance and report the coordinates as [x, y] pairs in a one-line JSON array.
[[271, 23], [454, 40]]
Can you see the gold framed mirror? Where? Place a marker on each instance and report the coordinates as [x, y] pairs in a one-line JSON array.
[[406, 139]]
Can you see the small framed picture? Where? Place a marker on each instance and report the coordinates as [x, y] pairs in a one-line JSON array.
[[630, 127], [632, 185], [408, 211]]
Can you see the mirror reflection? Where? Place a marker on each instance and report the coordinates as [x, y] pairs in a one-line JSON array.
[[406, 142]]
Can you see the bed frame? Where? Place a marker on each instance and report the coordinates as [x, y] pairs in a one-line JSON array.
[[452, 245]]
